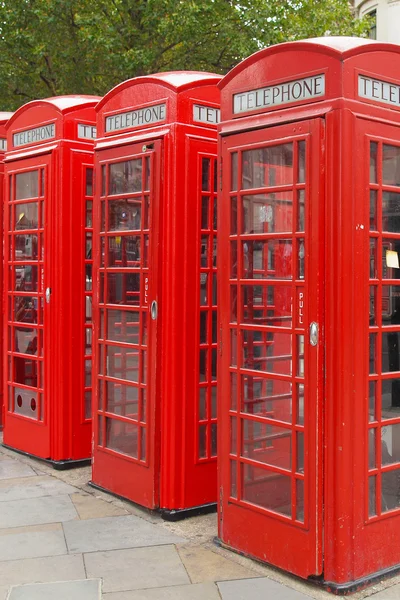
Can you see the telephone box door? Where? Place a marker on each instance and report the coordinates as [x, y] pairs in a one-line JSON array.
[[27, 312], [271, 351], [126, 245]]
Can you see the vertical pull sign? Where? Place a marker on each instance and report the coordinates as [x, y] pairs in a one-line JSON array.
[[48, 294], [313, 333], [154, 310]]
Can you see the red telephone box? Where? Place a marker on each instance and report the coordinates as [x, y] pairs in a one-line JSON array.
[[155, 327], [309, 368], [48, 279], [4, 116]]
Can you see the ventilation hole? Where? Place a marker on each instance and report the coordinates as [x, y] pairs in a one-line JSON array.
[[19, 400], [33, 404]]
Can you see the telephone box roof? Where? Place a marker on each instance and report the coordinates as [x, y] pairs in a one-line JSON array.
[[63, 104]]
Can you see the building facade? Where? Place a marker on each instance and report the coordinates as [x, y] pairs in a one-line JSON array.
[[386, 18]]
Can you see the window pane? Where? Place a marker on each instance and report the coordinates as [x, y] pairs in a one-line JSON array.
[[268, 213], [270, 166], [122, 437], [27, 185], [390, 490], [390, 398], [267, 305], [272, 355], [391, 212], [390, 438], [26, 216], [125, 177], [390, 165], [267, 259], [124, 215], [267, 490]]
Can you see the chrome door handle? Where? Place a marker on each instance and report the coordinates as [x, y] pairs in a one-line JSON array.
[[48, 294], [313, 333], [154, 310]]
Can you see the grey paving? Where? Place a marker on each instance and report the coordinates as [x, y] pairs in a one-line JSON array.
[[112, 533], [52, 509], [3, 592], [201, 591], [10, 469], [34, 487], [89, 589], [260, 588], [138, 568], [42, 570], [32, 544], [391, 593]]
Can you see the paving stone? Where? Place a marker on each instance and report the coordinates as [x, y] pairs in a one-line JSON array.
[[42, 570], [390, 593], [138, 568], [3, 592], [33, 487], [112, 533], [52, 509], [89, 507], [200, 591], [261, 588], [86, 589], [31, 544], [205, 565], [10, 469]]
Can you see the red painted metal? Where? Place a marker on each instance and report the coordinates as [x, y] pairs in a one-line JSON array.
[[351, 520], [4, 117], [155, 228], [48, 237]]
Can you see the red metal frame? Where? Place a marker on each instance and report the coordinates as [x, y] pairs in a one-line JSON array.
[[360, 429], [47, 246], [4, 117], [167, 121]]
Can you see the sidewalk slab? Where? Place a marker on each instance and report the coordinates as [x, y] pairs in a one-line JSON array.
[[261, 588], [204, 565], [31, 544], [42, 570], [33, 487], [50, 509], [89, 507], [199, 591], [3, 592], [86, 589], [390, 593], [138, 568], [11, 469], [115, 533]]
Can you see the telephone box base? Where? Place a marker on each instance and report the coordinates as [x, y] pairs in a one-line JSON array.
[[185, 513], [58, 465], [337, 589]]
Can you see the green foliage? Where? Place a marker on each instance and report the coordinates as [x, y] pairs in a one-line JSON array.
[[53, 47]]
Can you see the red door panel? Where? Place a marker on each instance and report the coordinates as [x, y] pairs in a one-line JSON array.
[[126, 228], [271, 259]]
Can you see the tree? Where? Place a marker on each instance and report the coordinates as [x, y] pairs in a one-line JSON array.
[[53, 47]]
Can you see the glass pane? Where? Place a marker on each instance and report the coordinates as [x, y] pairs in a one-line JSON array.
[[205, 201], [390, 165], [25, 403], [202, 403], [233, 391], [372, 259], [26, 216], [371, 449], [25, 371], [372, 162], [300, 403], [372, 400], [390, 305], [300, 259], [267, 259], [268, 213], [234, 172], [123, 363], [125, 177], [300, 355], [272, 356], [301, 148], [391, 212], [123, 326], [233, 479], [124, 251], [103, 180], [124, 215], [26, 341], [390, 352], [122, 399], [390, 490], [301, 210], [300, 500], [373, 195], [372, 352], [205, 174], [213, 439], [373, 290], [390, 398], [300, 452], [27, 185], [390, 437], [143, 444], [203, 441], [267, 397], [267, 444], [122, 437], [267, 305], [26, 247], [26, 278], [390, 259], [89, 182], [123, 288], [25, 309], [372, 496], [234, 216], [270, 166], [267, 490]]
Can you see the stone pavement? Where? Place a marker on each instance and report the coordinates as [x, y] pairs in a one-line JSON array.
[[60, 540]]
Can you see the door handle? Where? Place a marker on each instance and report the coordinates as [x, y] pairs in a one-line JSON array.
[[154, 310], [313, 333], [48, 294]]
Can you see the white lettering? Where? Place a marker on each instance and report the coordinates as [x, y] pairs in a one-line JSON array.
[[283, 93], [206, 114], [30, 136], [135, 118], [86, 132], [380, 91]]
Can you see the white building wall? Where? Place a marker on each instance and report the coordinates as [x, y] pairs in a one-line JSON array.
[[387, 18]]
